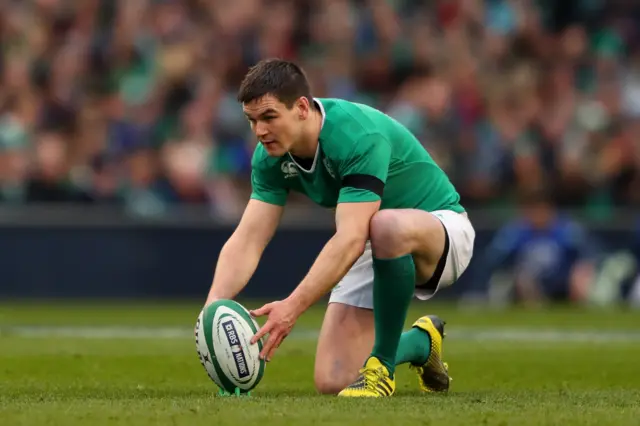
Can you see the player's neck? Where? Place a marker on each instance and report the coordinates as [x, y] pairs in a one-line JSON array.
[[307, 146]]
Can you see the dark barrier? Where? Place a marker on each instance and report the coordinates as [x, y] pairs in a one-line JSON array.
[[164, 261]]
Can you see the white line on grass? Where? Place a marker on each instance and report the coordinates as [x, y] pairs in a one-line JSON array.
[[463, 334]]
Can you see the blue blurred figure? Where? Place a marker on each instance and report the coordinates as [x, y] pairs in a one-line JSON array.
[[550, 257]]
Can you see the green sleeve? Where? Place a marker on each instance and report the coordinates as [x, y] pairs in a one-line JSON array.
[[364, 171], [268, 187]]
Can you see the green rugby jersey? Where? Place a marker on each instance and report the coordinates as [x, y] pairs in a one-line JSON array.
[[363, 155]]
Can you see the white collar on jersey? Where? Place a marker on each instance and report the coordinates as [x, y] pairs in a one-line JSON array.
[[324, 114], [315, 158]]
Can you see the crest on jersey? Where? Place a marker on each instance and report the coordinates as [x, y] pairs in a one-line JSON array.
[[289, 169], [327, 165]]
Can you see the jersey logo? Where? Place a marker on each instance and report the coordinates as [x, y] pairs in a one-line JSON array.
[[289, 169], [327, 166]]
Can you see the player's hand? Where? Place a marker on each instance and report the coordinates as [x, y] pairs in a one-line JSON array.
[[282, 317]]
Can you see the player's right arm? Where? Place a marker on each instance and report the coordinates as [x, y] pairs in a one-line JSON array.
[[241, 253]]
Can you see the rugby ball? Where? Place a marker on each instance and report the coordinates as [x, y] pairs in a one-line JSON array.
[[223, 334]]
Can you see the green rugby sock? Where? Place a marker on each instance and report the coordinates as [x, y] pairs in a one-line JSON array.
[[414, 347], [393, 286]]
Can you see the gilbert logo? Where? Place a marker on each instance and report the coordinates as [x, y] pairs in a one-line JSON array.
[[289, 169]]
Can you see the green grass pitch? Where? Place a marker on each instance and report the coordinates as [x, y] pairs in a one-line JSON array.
[[128, 364]]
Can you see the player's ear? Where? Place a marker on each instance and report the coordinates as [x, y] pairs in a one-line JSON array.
[[303, 107]]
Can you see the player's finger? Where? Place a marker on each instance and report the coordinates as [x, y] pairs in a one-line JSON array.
[[266, 349], [261, 311], [275, 346], [266, 328]]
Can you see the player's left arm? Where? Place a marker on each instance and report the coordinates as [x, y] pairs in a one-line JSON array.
[[338, 255], [333, 262]]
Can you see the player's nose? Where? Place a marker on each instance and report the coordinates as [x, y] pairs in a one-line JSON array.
[[261, 130]]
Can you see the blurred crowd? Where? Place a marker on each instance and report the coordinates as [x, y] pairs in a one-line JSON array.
[[132, 103]]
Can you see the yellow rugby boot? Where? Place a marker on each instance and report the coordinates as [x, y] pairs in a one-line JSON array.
[[373, 381], [433, 375]]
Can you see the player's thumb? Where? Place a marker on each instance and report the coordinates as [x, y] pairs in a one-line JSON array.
[[261, 311]]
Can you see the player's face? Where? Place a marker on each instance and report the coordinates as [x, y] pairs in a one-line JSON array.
[[276, 126]]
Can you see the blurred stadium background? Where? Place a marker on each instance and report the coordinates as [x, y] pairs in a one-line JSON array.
[[124, 166], [124, 158]]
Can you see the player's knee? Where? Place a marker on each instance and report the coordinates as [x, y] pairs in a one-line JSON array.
[[331, 375], [385, 233], [327, 384]]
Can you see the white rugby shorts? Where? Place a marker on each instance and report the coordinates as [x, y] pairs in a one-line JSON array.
[[356, 288]]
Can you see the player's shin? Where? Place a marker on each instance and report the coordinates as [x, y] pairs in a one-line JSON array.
[[394, 281]]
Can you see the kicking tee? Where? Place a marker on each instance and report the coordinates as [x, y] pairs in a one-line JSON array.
[[363, 155]]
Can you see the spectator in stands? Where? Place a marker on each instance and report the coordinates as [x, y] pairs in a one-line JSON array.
[[549, 257], [505, 94]]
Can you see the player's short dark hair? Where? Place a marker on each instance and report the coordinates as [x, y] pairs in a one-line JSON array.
[[282, 79]]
